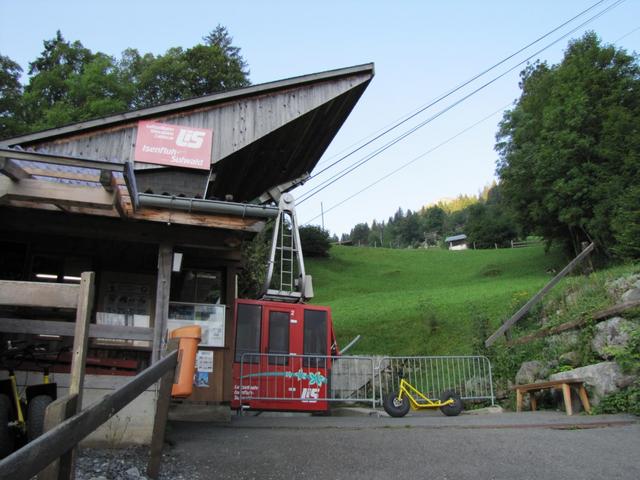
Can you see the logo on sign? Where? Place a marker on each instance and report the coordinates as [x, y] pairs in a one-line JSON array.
[[173, 145], [310, 395], [190, 138]]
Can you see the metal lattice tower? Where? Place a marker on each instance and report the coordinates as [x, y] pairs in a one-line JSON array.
[[286, 254]]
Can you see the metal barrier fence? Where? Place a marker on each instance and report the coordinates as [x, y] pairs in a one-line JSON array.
[[266, 376], [280, 377], [469, 376]]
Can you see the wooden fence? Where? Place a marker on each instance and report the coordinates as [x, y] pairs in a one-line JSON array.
[[50, 456]]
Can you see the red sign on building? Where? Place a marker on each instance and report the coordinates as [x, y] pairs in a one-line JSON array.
[[173, 145]]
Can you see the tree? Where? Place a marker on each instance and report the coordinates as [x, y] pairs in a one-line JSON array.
[[570, 147], [315, 241], [10, 98], [360, 234], [69, 83]]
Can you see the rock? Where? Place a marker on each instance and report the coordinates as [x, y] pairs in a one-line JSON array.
[[133, 473], [632, 295], [570, 358], [475, 384], [572, 298], [603, 378], [611, 333], [530, 372], [617, 287], [101, 477], [564, 341]]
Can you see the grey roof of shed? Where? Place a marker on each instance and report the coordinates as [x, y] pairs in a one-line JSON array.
[[267, 134], [455, 238]]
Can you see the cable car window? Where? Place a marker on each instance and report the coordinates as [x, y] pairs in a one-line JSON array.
[[248, 332], [315, 337], [279, 338]]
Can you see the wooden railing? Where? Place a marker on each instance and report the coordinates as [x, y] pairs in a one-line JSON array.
[[38, 454], [50, 456]]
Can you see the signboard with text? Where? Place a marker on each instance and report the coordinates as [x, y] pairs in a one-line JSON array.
[[173, 145]]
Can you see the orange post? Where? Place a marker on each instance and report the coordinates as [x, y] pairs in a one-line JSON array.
[[189, 340]]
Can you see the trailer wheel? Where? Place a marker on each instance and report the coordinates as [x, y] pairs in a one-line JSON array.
[[454, 408], [35, 415], [6, 438], [395, 407]]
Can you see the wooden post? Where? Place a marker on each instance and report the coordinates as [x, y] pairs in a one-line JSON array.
[[566, 395], [165, 259], [162, 413], [66, 407], [81, 336], [57, 412], [538, 296], [584, 398], [518, 400]]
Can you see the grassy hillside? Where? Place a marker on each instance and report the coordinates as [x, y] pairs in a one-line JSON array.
[[425, 301]]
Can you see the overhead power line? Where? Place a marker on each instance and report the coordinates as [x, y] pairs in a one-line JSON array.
[[405, 165], [405, 118], [330, 181]]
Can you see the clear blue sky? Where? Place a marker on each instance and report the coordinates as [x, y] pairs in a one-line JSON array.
[[421, 49]]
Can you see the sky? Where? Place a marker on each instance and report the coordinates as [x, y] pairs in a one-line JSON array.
[[421, 49]]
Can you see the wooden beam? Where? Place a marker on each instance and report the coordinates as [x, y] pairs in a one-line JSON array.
[[538, 296], [57, 412], [56, 193], [20, 224], [12, 170], [66, 329], [198, 219], [81, 334], [37, 294], [87, 176], [107, 180], [60, 160], [163, 288], [600, 315]]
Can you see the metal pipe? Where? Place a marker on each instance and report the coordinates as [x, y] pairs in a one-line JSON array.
[[208, 206]]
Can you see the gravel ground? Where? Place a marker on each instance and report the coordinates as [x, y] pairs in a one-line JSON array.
[[130, 464]]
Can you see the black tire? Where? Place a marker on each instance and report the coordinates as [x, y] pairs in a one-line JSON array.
[[395, 407], [6, 437], [35, 415], [454, 408]]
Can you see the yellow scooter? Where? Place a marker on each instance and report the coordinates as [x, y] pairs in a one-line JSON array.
[[398, 403], [22, 417]]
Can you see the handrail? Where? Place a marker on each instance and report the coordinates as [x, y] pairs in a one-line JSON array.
[[35, 456]]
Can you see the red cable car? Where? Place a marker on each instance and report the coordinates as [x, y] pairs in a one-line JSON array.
[[283, 347], [282, 356]]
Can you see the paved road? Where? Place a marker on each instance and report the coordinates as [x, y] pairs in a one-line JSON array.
[[535, 445]]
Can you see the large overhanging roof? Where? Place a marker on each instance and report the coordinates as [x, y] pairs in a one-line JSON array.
[[264, 135]]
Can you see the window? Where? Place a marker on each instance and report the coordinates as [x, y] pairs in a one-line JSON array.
[[279, 338], [193, 286], [248, 332], [315, 337]]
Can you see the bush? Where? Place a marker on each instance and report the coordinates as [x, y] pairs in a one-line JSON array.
[[315, 241]]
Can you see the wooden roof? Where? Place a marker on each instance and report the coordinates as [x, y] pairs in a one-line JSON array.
[[264, 135]]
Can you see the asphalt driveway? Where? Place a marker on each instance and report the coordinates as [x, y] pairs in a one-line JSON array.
[[531, 445]]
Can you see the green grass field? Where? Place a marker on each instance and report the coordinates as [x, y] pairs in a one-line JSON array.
[[409, 302]]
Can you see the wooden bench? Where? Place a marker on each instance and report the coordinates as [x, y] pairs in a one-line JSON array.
[[565, 385]]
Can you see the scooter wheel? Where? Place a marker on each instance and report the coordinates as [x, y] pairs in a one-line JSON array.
[[396, 407], [454, 408]]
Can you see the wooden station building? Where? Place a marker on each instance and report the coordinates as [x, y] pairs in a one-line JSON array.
[[157, 203]]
